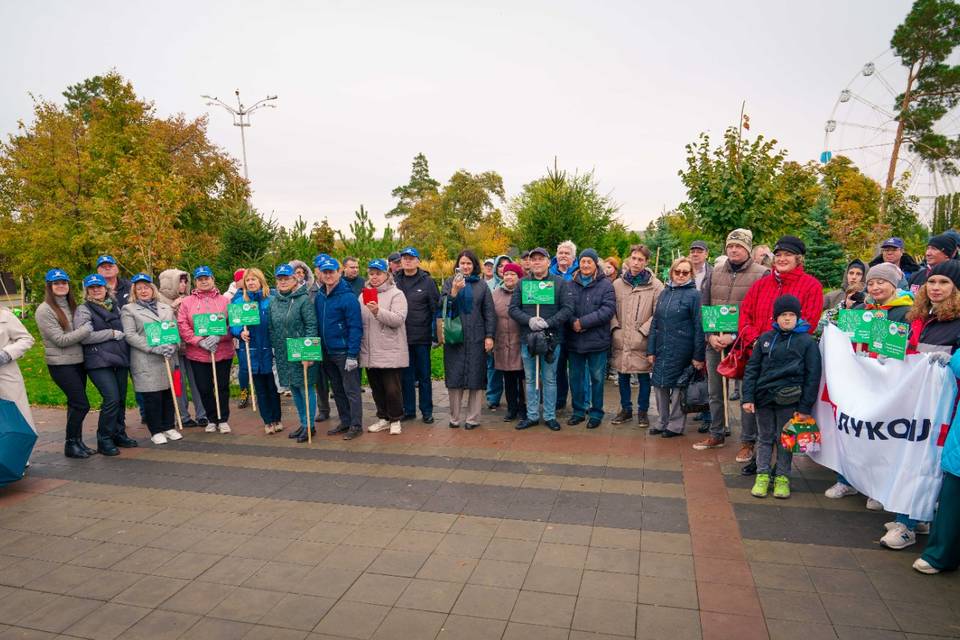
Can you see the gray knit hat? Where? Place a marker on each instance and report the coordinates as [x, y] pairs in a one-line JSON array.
[[885, 271], [742, 237]]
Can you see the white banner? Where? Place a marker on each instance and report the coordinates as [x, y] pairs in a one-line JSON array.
[[884, 424]]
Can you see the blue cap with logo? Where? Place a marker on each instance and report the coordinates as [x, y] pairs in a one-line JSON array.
[[284, 270], [892, 243], [378, 263], [409, 251], [141, 277], [106, 259], [203, 271], [329, 264], [57, 275], [94, 280], [320, 258]]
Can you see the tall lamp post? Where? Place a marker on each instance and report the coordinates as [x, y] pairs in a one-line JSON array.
[[241, 118]]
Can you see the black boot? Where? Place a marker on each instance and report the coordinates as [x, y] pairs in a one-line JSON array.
[[303, 435], [353, 432], [72, 449], [296, 434], [84, 446], [106, 446], [121, 439]]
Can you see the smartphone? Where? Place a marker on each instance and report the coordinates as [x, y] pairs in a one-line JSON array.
[[369, 295], [457, 275]]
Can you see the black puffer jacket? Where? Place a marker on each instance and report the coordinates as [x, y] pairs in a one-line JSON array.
[[594, 305], [783, 359], [423, 302], [676, 335]]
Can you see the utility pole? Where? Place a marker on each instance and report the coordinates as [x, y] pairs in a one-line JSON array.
[[241, 118]]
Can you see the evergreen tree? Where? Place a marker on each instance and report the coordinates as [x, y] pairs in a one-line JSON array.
[[419, 186], [825, 260]]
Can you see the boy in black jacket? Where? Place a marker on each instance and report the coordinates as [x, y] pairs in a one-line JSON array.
[[782, 378]]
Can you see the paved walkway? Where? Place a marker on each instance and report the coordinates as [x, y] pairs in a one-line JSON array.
[[444, 533]]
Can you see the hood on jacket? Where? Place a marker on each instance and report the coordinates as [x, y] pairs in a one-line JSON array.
[[900, 298], [907, 263], [858, 263], [170, 283], [692, 283], [497, 280], [305, 267], [802, 327], [389, 282], [555, 270]]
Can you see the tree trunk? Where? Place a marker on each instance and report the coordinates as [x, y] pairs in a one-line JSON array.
[[898, 138]]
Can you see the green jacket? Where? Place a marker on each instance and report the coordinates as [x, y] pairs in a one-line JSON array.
[[292, 315]]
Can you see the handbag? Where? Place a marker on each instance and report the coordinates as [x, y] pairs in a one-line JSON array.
[[452, 327], [734, 364], [694, 391]]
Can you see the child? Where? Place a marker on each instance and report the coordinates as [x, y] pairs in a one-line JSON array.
[[782, 378]]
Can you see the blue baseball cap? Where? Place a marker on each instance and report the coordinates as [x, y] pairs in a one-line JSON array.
[[141, 277], [105, 259], [409, 251], [202, 271], [378, 263], [329, 264], [283, 270], [57, 275], [94, 280], [895, 243], [320, 258]]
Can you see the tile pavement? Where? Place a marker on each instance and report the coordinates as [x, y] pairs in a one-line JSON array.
[[441, 533]]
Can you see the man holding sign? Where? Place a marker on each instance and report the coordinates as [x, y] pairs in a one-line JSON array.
[[542, 305]]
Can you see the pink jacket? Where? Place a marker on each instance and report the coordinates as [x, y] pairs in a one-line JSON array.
[[202, 302]]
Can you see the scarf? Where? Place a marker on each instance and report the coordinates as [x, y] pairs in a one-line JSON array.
[[636, 280], [106, 304], [149, 304], [465, 298], [585, 280]]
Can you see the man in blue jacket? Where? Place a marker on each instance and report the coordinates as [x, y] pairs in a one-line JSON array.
[[338, 316]]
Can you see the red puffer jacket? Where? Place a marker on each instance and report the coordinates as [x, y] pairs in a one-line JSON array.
[[756, 311]]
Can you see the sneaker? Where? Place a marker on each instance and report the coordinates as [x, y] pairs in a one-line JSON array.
[[704, 427], [643, 421], [395, 428], [781, 487], [923, 566], [840, 490], [874, 505], [158, 438], [224, 427], [898, 537], [712, 442], [277, 427], [173, 434], [746, 452], [210, 428], [379, 425], [761, 485], [923, 528], [268, 429], [625, 415]]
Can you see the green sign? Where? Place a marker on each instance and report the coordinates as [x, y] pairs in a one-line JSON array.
[[890, 338], [243, 314], [304, 349], [721, 318], [537, 292], [210, 324], [857, 324], [163, 332]]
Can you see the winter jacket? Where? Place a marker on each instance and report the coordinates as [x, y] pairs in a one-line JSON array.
[[907, 265], [338, 320], [357, 284], [384, 341], [929, 334], [631, 324], [701, 277], [729, 285], [897, 308], [950, 457], [783, 359], [310, 281], [149, 370], [122, 292], [423, 303], [168, 284], [202, 302], [676, 334], [594, 305], [291, 315], [465, 363], [101, 349], [566, 275], [506, 349], [835, 298], [60, 346], [756, 312], [16, 341], [261, 349], [557, 314], [496, 281]]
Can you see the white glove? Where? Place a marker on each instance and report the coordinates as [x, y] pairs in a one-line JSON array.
[[117, 335], [350, 364], [210, 343], [939, 357], [536, 323]]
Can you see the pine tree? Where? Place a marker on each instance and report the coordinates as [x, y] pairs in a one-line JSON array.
[[419, 186], [825, 260]]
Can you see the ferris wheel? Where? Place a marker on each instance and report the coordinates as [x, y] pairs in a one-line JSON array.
[[863, 125]]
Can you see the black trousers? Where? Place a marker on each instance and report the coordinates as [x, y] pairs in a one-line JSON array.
[[203, 375], [72, 380], [158, 407], [513, 387], [387, 392], [345, 386], [268, 398], [323, 393], [111, 382]]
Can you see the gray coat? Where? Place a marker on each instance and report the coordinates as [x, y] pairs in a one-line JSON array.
[[60, 346], [465, 364], [148, 369]]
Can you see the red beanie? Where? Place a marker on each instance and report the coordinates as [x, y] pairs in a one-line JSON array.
[[238, 275], [515, 268]]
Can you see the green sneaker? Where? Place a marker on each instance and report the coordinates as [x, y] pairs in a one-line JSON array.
[[761, 485], [781, 487]]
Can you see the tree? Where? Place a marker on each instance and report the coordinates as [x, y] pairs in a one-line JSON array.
[[924, 42], [825, 258], [667, 236], [855, 220], [324, 237], [362, 242], [292, 243], [946, 212], [419, 186], [247, 242], [80, 96]]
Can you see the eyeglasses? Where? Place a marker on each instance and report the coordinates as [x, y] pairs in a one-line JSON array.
[[681, 272]]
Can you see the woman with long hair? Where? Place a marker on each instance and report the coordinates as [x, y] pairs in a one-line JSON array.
[[64, 356]]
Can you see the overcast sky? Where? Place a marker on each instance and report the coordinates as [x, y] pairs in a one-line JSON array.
[[618, 87]]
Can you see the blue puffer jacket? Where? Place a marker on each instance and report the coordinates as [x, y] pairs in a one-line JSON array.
[[338, 316], [555, 270], [676, 335], [950, 458], [261, 353], [594, 305]]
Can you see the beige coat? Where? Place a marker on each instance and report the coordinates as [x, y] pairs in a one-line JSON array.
[[631, 324], [148, 369], [506, 349], [16, 341], [384, 342]]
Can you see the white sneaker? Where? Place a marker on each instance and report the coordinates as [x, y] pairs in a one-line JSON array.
[[874, 505], [268, 429], [898, 537], [224, 427], [277, 427], [840, 490], [395, 428], [379, 425], [172, 434], [923, 528], [923, 566], [158, 438], [211, 427]]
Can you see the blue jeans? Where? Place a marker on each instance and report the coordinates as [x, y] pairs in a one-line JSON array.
[[643, 393], [548, 378], [494, 382], [299, 400], [910, 522], [587, 372], [417, 372]]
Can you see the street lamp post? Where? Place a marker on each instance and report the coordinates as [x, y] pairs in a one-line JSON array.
[[241, 118]]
